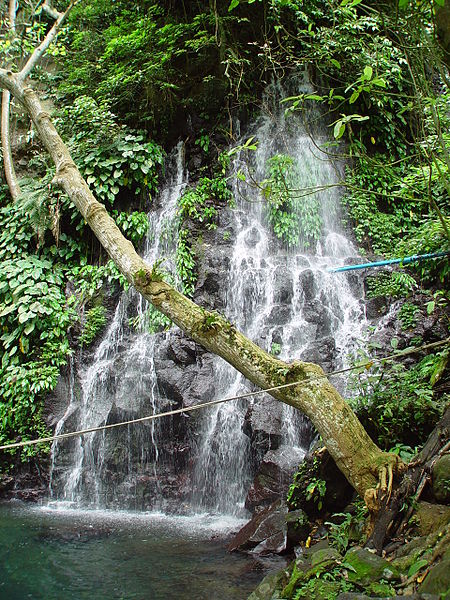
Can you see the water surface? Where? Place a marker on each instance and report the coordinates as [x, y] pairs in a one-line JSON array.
[[102, 555]]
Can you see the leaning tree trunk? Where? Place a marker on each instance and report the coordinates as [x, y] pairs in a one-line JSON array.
[[365, 466]]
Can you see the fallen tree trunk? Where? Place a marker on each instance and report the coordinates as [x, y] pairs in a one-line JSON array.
[[367, 468]]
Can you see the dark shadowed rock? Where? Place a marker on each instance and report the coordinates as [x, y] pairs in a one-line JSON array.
[[441, 479], [262, 425], [265, 533], [308, 285], [284, 287], [274, 476]]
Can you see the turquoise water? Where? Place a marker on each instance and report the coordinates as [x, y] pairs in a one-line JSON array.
[[68, 555]]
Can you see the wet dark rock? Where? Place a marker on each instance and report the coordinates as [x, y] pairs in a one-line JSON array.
[[284, 287], [262, 425], [322, 352], [376, 307], [182, 350], [57, 401], [202, 386], [273, 477], [252, 237], [210, 288], [265, 533], [172, 380], [280, 314], [308, 285]]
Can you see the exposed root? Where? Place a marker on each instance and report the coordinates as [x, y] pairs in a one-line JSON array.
[[378, 497]]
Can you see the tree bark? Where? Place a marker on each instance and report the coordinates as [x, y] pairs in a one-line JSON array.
[[35, 57], [8, 164], [361, 461]]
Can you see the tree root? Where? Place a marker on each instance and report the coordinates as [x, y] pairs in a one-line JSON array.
[[385, 502]]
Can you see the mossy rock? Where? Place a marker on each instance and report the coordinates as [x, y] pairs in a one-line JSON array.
[[382, 590], [320, 590], [325, 554], [431, 517], [270, 586], [441, 479], [438, 580], [368, 567]]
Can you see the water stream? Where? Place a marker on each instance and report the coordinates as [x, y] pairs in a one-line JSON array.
[[282, 298]]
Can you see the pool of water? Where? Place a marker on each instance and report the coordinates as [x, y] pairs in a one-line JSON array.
[[56, 554]]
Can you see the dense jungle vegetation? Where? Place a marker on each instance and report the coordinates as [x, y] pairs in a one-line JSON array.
[[125, 81]]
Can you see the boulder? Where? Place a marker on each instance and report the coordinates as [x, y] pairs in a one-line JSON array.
[[298, 527], [441, 479], [265, 533], [270, 585], [274, 476], [438, 579], [263, 423], [431, 517], [368, 567]]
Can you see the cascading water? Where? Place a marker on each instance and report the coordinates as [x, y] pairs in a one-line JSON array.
[[282, 299], [118, 468]]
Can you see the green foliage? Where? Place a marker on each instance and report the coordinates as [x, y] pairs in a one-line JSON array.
[[139, 60], [307, 486], [94, 322], [199, 203], [396, 284], [350, 529], [185, 263], [294, 220], [152, 321], [134, 225], [34, 317], [316, 490], [275, 349], [89, 279], [397, 403], [110, 157], [408, 315]]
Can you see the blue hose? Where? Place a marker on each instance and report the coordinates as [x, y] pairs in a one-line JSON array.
[[393, 261]]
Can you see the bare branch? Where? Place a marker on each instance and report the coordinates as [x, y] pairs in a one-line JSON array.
[[51, 35], [8, 164], [10, 173], [12, 14], [52, 12]]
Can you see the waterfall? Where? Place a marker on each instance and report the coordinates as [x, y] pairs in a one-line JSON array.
[[280, 297], [283, 299], [119, 468]]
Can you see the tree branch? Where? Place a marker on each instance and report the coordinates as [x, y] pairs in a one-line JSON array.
[[8, 163], [40, 50]]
